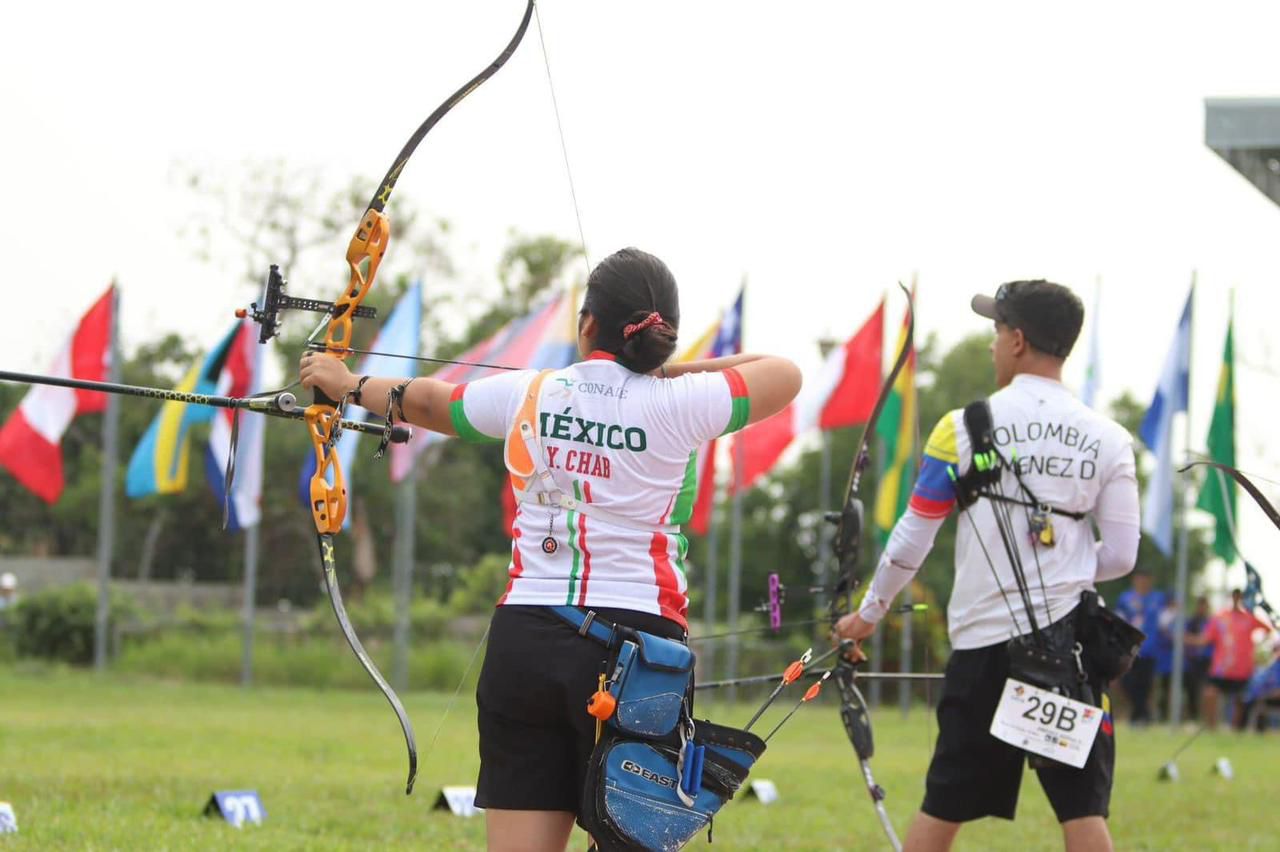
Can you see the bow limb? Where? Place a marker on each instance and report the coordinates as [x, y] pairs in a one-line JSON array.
[[856, 716], [1246, 483], [327, 487], [1253, 596]]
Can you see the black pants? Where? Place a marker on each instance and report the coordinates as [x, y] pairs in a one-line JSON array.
[[974, 775], [535, 734], [1193, 684], [1137, 686], [1258, 710]]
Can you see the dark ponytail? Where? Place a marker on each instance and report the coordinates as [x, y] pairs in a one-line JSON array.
[[633, 297]]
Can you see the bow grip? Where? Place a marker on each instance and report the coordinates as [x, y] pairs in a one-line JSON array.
[[328, 502]]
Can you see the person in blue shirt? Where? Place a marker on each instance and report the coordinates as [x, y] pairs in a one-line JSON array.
[[1141, 606], [1196, 661], [1166, 623]]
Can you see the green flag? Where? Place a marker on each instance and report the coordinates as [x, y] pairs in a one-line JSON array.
[[1218, 494]]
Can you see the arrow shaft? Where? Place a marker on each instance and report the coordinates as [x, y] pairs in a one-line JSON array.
[[812, 673], [277, 405]]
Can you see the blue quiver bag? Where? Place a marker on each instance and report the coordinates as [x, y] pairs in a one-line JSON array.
[[656, 777], [630, 801], [650, 682]]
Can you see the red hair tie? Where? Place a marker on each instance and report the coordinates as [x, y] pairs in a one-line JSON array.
[[631, 329]]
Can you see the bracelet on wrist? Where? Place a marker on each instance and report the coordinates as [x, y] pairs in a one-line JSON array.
[[355, 394]]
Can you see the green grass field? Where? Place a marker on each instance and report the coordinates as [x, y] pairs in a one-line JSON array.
[[124, 763]]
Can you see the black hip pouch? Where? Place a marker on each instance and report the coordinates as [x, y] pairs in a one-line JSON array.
[[1110, 643], [1052, 659]]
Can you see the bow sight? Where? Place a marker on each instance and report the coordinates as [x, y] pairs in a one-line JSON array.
[[266, 311]]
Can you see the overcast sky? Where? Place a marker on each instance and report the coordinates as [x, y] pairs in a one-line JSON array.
[[822, 150]]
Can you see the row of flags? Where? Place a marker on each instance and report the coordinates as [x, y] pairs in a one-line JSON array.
[[841, 394], [30, 441]]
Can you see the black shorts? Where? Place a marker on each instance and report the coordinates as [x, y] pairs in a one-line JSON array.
[[1227, 686], [535, 734], [974, 775]]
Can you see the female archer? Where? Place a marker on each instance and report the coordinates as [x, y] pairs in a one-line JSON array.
[[600, 454]]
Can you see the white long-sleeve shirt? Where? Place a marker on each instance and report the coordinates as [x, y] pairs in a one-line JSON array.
[[1072, 458]]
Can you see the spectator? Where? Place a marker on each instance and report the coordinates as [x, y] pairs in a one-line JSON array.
[[1141, 606], [8, 590], [1231, 633], [1166, 622], [8, 598], [1196, 660]]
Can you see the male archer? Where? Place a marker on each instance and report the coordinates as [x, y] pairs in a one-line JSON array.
[[1024, 555]]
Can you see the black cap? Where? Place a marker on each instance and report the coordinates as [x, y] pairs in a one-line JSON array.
[[1049, 315]]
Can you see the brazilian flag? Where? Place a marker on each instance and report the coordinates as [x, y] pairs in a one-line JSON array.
[[1218, 494]]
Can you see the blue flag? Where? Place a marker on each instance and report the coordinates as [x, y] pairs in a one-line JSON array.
[[1157, 433]]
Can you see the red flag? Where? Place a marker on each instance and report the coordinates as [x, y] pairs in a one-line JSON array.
[[30, 441], [857, 380], [842, 394], [700, 521]]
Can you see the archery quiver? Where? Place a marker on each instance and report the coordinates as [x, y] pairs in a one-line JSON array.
[[984, 471], [656, 777], [630, 801]]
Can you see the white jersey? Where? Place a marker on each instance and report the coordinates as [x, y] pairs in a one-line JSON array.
[[1072, 458], [620, 440]]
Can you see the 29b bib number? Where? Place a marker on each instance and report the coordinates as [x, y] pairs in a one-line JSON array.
[[1046, 723], [1054, 713]]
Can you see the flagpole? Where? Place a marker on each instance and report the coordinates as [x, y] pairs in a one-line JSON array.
[[250, 603], [877, 638], [1180, 592], [107, 494], [735, 537], [825, 530], [713, 557], [402, 575], [907, 640]]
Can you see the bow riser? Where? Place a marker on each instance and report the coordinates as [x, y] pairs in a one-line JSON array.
[[364, 255]]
